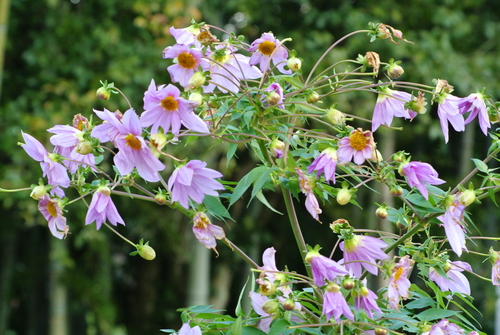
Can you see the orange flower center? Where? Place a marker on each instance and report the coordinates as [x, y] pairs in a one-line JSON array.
[[186, 60], [133, 142], [398, 273], [51, 208], [358, 140], [169, 103], [267, 48]]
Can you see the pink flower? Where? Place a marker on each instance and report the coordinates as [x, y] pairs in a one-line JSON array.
[[445, 327], [311, 203], [56, 173], [366, 299], [389, 105], [206, 232], [102, 208], [456, 281], [193, 181], [495, 270], [258, 300], [326, 164], [324, 268], [359, 145], [52, 212], [187, 330], [418, 174], [275, 95], [453, 222], [187, 61], [165, 108], [267, 48], [68, 140], [362, 251], [110, 129], [475, 104], [399, 283], [334, 304], [448, 112]]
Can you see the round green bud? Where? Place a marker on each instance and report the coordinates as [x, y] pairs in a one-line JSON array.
[[147, 252]]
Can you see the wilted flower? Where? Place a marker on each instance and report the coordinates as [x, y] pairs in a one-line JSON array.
[[163, 107], [186, 62], [399, 283], [325, 164], [267, 48], [102, 208], [334, 304], [373, 59], [324, 268], [206, 232], [359, 146], [52, 212], [311, 203], [389, 104], [193, 181], [475, 104], [448, 110], [455, 280], [362, 252], [419, 174], [453, 222]]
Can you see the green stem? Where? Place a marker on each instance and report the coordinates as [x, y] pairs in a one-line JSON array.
[[120, 235]]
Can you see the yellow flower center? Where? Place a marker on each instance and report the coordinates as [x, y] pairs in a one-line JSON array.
[[201, 220], [133, 142], [358, 140], [51, 208], [267, 48], [398, 273], [186, 60], [169, 103]]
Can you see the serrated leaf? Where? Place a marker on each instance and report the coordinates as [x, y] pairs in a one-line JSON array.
[[481, 166], [435, 313]]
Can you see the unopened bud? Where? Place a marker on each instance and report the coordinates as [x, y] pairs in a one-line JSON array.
[[395, 71], [277, 147], [312, 97], [196, 97], [273, 98], [161, 199], [84, 148], [147, 252], [381, 213], [447, 267], [380, 331], [267, 288], [294, 64], [288, 304], [467, 197], [197, 79], [335, 116], [38, 192], [348, 284], [344, 196], [158, 140], [396, 191], [449, 200], [103, 93], [270, 306]]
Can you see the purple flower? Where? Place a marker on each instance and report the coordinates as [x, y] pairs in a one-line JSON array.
[[185, 36], [275, 95], [68, 141], [362, 251], [110, 129], [187, 61], [495, 270], [311, 203], [418, 173], [389, 105], [448, 112], [366, 299], [453, 222], [399, 284], [445, 327], [325, 163], [52, 212], [187, 330], [359, 145], [258, 300], [163, 107], [267, 48], [206, 232], [102, 208], [324, 268], [193, 181], [475, 104], [456, 281], [334, 304], [56, 172]]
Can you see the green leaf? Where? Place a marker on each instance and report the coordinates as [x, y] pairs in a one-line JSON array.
[[261, 181], [263, 199], [481, 166], [231, 150], [435, 313], [216, 208], [245, 183], [252, 331], [421, 302], [239, 311], [280, 327], [236, 327], [293, 81]]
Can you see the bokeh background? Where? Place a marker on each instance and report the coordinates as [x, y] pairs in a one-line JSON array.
[[54, 54]]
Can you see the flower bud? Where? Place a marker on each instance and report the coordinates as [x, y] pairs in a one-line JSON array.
[[399, 157], [161, 199], [335, 116], [381, 213], [158, 140], [447, 266], [288, 304], [270, 306], [348, 284], [380, 331], [196, 97], [267, 288], [312, 97], [277, 147], [84, 148], [332, 287], [396, 191], [418, 103], [38, 192], [395, 71], [344, 196], [273, 98], [147, 252], [294, 64], [197, 79], [448, 201], [103, 93], [467, 197], [363, 291]]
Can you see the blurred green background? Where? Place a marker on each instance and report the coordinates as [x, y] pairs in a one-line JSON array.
[[55, 53]]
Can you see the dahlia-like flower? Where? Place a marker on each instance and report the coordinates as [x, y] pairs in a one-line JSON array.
[[399, 284], [455, 281], [103, 209], [448, 112], [324, 268], [359, 146], [193, 181], [453, 222], [186, 62], [389, 104], [475, 104], [366, 299], [418, 174], [109, 130], [187, 330], [68, 141], [334, 304], [163, 107], [311, 203], [206, 232], [362, 252], [445, 327], [267, 48], [325, 163], [52, 212], [56, 172]]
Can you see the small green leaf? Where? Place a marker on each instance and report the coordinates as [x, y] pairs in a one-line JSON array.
[[435, 313], [236, 327], [481, 166], [245, 183], [216, 208]]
